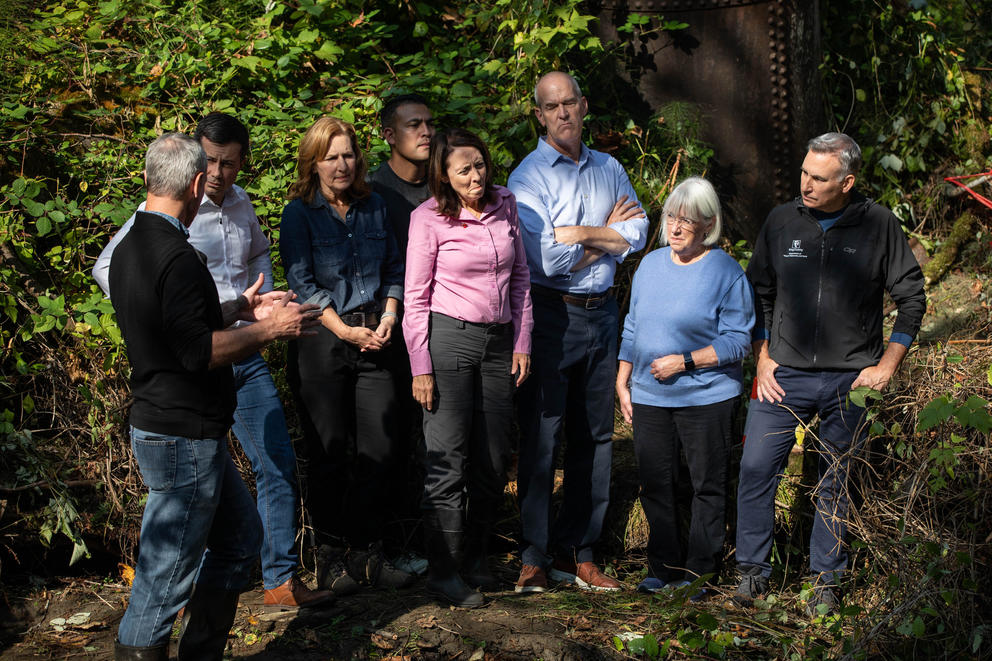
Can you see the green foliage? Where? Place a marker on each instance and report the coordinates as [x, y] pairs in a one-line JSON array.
[[905, 82]]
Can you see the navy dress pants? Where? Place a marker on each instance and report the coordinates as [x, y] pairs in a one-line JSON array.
[[568, 400], [770, 435]]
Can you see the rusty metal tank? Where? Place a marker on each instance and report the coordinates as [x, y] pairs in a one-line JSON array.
[[751, 68]]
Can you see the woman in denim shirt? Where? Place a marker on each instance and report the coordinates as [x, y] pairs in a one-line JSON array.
[[340, 254]]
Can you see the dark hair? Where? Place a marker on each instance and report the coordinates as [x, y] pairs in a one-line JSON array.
[[314, 145], [442, 144], [388, 112], [221, 129]]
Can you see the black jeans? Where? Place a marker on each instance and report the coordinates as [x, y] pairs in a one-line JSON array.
[[467, 435], [349, 411], [704, 434]]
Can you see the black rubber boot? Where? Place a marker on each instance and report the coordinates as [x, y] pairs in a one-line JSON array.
[[475, 568], [443, 529], [207, 621], [128, 653]]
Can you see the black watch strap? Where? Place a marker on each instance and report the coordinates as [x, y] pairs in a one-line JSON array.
[[690, 364]]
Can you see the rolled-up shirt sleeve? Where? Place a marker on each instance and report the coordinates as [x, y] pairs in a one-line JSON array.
[[554, 259], [421, 260], [259, 259], [635, 230], [296, 250]]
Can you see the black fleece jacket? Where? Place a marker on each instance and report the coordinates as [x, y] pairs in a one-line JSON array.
[[167, 309], [819, 294]]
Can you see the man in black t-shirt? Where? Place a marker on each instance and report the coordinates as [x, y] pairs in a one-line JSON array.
[[407, 125], [181, 349]]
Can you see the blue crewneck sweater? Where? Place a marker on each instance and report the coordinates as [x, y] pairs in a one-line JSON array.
[[676, 308]]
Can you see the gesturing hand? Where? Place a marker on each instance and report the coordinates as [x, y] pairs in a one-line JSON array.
[[286, 320]]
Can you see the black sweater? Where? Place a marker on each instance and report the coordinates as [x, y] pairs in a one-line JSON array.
[[167, 310], [820, 293]]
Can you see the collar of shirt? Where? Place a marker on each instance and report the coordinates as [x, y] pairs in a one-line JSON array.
[[173, 221], [553, 156], [497, 200]]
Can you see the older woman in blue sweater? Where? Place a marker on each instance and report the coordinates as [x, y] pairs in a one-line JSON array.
[[679, 378]]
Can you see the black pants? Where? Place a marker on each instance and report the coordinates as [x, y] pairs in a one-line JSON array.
[[349, 412], [467, 435], [704, 434]]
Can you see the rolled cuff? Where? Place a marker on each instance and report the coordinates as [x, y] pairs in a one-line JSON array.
[[904, 339]]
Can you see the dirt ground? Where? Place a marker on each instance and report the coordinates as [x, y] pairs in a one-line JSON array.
[[78, 620]]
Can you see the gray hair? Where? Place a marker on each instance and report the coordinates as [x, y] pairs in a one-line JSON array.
[[840, 145], [571, 79], [171, 163], [695, 198]]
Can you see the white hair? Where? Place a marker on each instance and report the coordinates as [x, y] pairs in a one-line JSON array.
[[697, 199]]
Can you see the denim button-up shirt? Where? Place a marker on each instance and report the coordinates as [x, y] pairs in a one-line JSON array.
[[340, 263]]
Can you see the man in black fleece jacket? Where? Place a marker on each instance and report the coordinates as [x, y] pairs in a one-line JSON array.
[[820, 266], [180, 351]]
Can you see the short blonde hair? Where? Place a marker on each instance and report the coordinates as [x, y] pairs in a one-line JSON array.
[[697, 199]]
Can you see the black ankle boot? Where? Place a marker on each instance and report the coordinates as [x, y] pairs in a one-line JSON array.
[[128, 653], [443, 529], [206, 622]]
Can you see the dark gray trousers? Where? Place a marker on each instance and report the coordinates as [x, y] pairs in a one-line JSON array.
[[467, 435]]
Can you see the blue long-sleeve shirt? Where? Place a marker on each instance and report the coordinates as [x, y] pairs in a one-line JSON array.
[[342, 263], [676, 308], [553, 191]]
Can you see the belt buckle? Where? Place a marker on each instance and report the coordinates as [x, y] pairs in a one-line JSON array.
[[362, 315], [589, 301]]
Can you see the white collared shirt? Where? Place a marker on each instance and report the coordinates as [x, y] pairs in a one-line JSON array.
[[228, 235]]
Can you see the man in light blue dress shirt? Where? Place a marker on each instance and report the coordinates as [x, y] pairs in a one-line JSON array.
[[580, 217]]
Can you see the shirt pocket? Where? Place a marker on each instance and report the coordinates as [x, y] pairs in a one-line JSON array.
[[330, 251], [375, 245]]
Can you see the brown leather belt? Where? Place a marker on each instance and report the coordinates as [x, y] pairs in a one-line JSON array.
[[587, 301], [366, 316]]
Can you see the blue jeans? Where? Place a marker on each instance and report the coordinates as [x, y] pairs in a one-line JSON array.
[[568, 397], [770, 435], [260, 426], [197, 508]]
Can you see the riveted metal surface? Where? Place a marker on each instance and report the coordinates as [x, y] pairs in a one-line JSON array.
[[751, 68]]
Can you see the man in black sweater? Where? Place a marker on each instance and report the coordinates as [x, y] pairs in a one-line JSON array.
[[819, 270], [184, 398]]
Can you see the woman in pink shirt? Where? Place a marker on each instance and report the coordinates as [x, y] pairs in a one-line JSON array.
[[467, 326]]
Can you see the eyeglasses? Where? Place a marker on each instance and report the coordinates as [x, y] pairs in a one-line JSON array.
[[682, 221]]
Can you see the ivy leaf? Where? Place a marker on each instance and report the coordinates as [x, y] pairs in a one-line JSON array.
[[891, 162], [44, 226], [328, 51], [936, 412], [249, 62]]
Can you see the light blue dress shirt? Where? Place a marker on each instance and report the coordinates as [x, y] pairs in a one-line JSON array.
[[553, 191]]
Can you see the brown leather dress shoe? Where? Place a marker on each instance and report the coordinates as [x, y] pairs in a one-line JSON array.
[[293, 594], [584, 574], [532, 579]]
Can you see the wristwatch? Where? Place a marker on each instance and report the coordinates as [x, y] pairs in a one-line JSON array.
[[690, 364]]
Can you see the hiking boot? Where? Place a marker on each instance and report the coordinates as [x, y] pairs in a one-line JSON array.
[[444, 537], [584, 574], [751, 586], [293, 594], [332, 574], [371, 568], [823, 601], [532, 579]]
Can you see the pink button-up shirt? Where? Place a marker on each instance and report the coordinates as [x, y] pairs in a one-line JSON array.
[[467, 268]]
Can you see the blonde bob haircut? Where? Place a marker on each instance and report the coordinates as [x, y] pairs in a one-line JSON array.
[[313, 147], [694, 198]]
